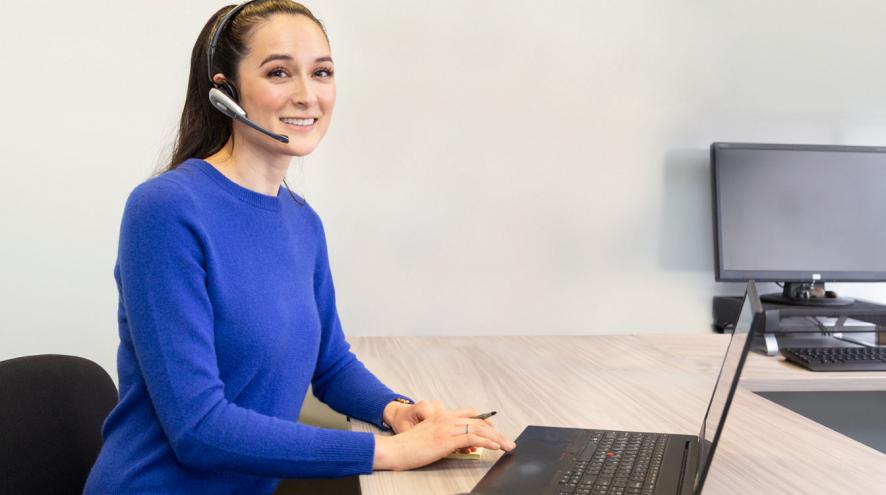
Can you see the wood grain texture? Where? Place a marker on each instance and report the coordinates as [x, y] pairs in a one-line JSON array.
[[625, 382]]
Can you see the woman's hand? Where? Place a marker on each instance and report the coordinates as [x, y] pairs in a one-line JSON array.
[[403, 417], [435, 438]]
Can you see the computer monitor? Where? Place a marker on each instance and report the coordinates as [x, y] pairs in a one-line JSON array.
[[799, 214]]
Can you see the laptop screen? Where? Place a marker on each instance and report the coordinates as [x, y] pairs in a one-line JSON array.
[[726, 382]]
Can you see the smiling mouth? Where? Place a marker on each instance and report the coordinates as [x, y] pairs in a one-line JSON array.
[[304, 123]]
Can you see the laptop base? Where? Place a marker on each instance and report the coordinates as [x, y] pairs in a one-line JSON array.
[[545, 456]]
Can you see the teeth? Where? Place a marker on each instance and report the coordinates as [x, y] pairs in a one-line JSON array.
[[301, 122]]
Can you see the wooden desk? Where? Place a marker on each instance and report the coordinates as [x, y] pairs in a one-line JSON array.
[[658, 383]]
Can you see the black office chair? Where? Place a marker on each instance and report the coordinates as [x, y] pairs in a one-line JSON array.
[[51, 412]]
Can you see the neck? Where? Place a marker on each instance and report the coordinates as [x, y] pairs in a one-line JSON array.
[[254, 169]]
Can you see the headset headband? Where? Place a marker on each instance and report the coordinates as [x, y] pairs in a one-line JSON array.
[[217, 35]]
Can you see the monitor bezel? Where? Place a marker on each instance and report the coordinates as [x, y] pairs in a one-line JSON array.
[[723, 275]]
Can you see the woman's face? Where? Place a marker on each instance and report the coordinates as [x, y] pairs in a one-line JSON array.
[[286, 77]]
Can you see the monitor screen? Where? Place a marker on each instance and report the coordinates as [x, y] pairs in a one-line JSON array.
[[799, 213]]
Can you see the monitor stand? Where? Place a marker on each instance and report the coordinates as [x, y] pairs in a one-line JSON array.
[[807, 294]]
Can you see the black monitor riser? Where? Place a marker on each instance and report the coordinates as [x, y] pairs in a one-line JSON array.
[[807, 294]]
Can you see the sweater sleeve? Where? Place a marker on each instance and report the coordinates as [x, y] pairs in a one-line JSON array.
[[340, 380], [170, 319]]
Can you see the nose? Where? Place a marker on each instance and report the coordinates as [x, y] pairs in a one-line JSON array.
[[303, 94]]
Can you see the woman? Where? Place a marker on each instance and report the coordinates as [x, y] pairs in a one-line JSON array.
[[227, 308]]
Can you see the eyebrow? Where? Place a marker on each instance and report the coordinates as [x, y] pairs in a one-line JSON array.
[[283, 56]]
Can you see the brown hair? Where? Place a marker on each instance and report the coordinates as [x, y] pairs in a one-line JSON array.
[[204, 130]]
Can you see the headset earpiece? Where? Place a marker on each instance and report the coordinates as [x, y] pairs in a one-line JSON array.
[[229, 89], [224, 104]]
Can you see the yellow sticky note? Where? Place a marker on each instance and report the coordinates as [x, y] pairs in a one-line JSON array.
[[473, 455]]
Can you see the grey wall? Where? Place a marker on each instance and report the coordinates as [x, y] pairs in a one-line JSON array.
[[493, 167]]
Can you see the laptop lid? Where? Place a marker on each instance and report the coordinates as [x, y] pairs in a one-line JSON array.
[[730, 372]]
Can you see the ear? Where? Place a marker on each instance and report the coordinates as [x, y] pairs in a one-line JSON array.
[[226, 87]]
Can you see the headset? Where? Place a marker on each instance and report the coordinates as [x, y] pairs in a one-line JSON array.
[[223, 96]]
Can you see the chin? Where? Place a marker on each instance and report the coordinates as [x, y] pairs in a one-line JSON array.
[[298, 149], [297, 145]]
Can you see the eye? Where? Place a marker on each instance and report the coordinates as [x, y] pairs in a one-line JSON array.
[[328, 72], [278, 72]]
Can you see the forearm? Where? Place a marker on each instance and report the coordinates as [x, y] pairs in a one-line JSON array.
[[355, 391], [242, 441]]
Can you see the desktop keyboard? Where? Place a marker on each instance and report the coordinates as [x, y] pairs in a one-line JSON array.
[[616, 463], [837, 358]]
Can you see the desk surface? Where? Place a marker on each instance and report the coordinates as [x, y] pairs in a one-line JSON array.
[[657, 383]]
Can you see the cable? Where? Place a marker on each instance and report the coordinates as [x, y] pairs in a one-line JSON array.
[[291, 194], [819, 324], [827, 332]]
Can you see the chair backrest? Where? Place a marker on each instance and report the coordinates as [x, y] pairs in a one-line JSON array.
[[51, 412]]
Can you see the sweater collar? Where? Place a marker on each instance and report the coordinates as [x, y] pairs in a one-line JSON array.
[[254, 198]]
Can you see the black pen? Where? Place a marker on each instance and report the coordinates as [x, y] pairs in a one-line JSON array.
[[484, 415]]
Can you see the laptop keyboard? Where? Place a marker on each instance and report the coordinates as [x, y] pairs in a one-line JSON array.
[[615, 463]]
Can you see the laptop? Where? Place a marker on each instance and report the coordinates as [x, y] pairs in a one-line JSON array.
[[572, 461]]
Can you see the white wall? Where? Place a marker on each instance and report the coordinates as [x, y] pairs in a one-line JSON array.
[[493, 167]]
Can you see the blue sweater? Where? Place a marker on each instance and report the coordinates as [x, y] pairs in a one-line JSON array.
[[227, 313]]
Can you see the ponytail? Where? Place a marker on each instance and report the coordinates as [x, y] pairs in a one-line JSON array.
[[203, 130]]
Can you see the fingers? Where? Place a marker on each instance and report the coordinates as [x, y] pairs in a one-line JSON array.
[[469, 413], [465, 413], [489, 432], [480, 428], [424, 409], [474, 440]]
